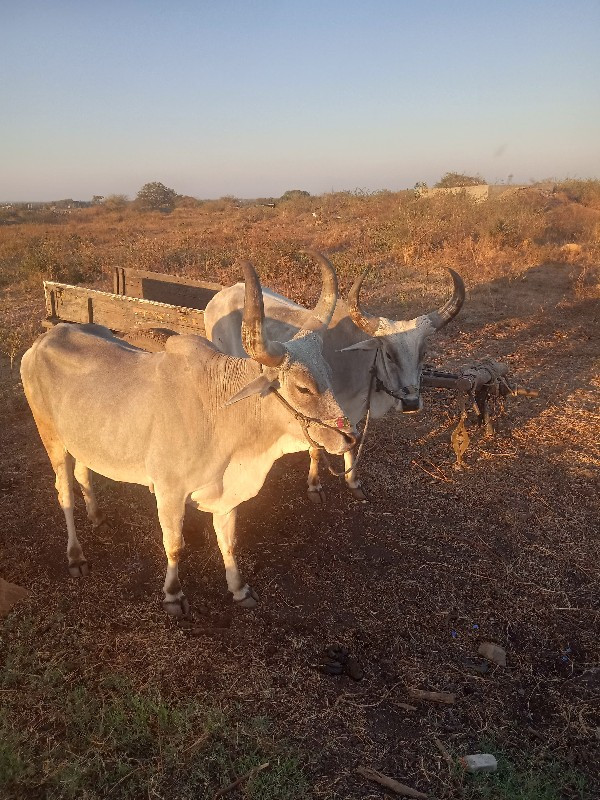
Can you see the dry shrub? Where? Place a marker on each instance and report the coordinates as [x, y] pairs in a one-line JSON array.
[[570, 222], [586, 192], [404, 240]]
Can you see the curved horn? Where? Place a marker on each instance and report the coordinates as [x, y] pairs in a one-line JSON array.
[[255, 343], [325, 307], [366, 322], [451, 308]]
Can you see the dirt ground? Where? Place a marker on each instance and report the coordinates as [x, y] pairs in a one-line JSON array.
[[507, 550]]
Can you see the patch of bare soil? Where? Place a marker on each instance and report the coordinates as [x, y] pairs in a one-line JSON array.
[[410, 584]]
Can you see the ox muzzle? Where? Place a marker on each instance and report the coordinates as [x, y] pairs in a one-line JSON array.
[[408, 400], [411, 404]]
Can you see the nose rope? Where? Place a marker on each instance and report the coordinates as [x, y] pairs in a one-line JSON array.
[[379, 384], [306, 421], [381, 387], [362, 437]]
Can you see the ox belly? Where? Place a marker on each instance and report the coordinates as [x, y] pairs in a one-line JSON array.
[[111, 441]]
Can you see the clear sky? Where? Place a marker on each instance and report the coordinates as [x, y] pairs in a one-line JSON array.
[[255, 97]]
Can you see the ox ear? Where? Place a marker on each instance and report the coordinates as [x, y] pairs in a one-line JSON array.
[[261, 385], [367, 344]]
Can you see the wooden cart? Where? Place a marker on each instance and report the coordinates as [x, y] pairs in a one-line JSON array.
[[144, 307]]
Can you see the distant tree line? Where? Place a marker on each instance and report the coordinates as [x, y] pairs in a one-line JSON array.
[[155, 196]]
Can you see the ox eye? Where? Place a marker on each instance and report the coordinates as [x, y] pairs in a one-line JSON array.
[[303, 389]]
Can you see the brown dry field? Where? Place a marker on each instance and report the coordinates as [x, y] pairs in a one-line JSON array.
[[507, 550]]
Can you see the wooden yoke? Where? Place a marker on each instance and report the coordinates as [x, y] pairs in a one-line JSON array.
[[478, 383]]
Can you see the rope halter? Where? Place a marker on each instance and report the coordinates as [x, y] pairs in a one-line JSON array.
[[305, 422]]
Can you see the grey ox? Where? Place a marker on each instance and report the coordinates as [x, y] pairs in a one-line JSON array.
[[167, 420], [382, 371]]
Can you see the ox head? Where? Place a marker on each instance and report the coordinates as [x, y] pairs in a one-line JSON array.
[[297, 368], [399, 345]]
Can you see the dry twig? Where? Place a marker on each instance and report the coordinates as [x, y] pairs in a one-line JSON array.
[[238, 781], [445, 754], [435, 697], [390, 783], [440, 477]]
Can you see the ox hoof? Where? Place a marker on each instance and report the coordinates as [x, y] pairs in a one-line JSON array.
[[248, 600], [358, 493], [79, 569], [100, 525], [316, 496], [177, 608]]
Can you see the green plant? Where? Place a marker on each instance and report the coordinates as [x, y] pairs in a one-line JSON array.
[[527, 779], [65, 738], [13, 767], [293, 194], [156, 196]]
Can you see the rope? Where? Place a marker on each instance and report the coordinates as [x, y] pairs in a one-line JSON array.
[[363, 435], [379, 384], [306, 421]]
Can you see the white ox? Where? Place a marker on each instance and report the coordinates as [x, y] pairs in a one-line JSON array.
[[382, 371], [166, 420]]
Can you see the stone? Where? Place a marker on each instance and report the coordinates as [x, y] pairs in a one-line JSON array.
[[480, 762], [337, 652], [493, 652]]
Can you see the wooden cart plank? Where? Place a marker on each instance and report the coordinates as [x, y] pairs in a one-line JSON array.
[[163, 288], [66, 303]]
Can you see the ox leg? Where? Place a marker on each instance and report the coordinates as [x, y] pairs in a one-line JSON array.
[[316, 493], [224, 525], [170, 515], [63, 468], [352, 482], [83, 477]]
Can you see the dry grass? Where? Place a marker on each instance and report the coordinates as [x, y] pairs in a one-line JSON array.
[[404, 240]]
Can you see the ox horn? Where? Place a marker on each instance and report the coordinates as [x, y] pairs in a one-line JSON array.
[[254, 340], [366, 322], [451, 308], [325, 307]]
